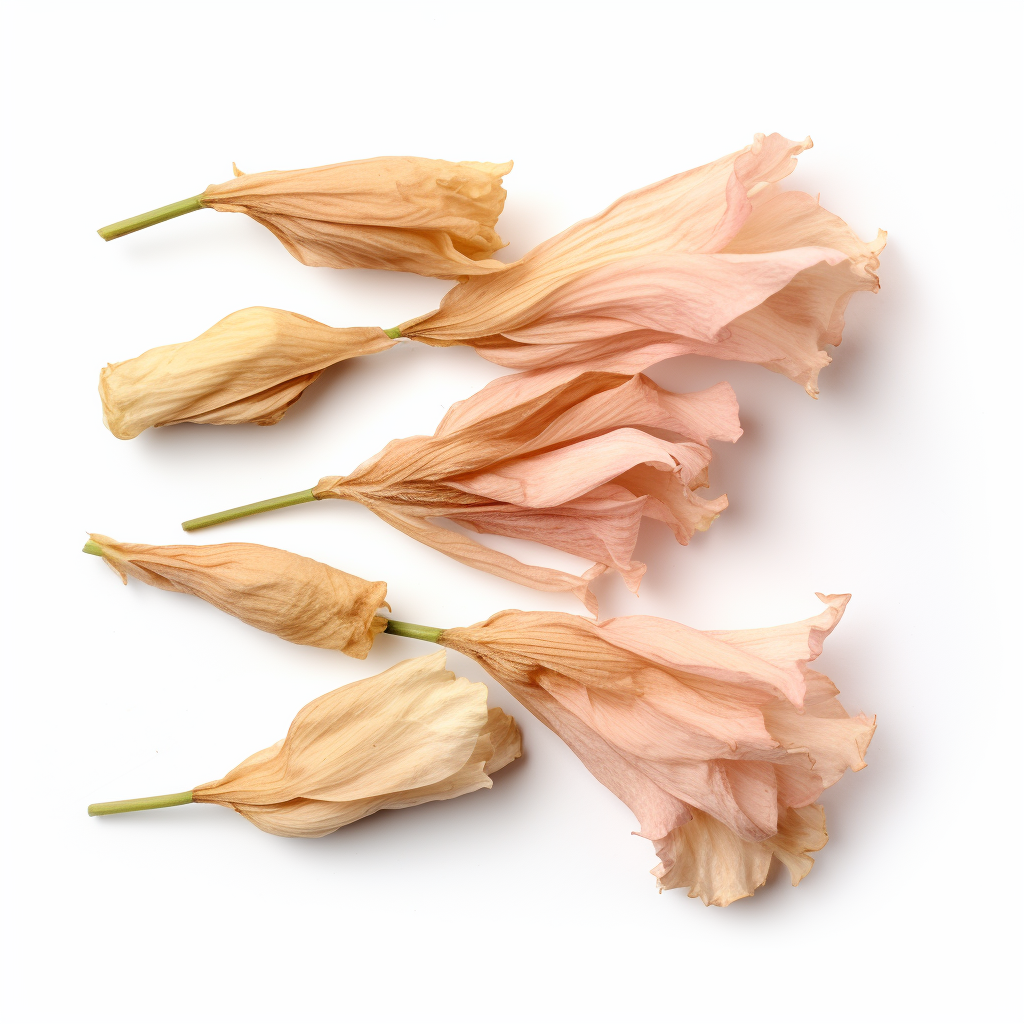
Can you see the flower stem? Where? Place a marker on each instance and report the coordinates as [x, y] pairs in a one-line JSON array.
[[267, 505], [143, 803], [394, 332], [428, 633], [145, 220], [92, 548]]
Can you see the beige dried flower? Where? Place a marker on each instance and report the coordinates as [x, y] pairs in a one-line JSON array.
[[248, 368], [429, 217], [409, 735]]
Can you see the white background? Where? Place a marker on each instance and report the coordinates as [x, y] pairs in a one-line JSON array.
[[531, 901]]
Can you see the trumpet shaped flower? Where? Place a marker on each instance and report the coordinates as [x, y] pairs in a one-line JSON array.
[[409, 735], [715, 262], [720, 742], [574, 464], [429, 217]]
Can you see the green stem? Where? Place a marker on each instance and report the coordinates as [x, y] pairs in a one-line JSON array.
[[92, 548], [267, 505], [394, 332], [143, 803], [428, 633], [145, 220]]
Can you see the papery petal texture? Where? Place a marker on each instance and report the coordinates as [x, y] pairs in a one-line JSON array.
[[429, 217], [248, 368], [408, 735], [719, 742], [567, 462], [712, 262], [299, 599]]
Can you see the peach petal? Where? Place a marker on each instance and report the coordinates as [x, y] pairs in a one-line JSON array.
[[719, 868], [688, 294]]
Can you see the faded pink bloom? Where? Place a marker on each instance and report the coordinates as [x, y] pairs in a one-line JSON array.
[[720, 742], [715, 261], [568, 463]]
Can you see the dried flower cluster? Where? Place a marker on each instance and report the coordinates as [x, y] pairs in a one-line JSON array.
[[721, 742]]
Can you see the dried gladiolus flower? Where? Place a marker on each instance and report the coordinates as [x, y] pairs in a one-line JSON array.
[[714, 262], [430, 217], [409, 735], [249, 368], [571, 464], [297, 598], [720, 742]]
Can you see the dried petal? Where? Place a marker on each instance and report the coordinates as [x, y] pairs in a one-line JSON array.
[[408, 735], [719, 867], [297, 598], [428, 217]]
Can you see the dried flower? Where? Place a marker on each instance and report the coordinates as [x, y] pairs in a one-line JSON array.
[[406, 736], [249, 368], [428, 217], [720, 742], [568, 463], [713, 262], [297, 598]]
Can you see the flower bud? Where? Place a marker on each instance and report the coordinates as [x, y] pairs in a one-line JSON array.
[[428, 217], [406, 736], [297, 598]]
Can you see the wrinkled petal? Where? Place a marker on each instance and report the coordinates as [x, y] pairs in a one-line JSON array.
[[541, 481], [428, 217], [248, 368], [719, 868], [689, 294], [469, 552], [299, 599]]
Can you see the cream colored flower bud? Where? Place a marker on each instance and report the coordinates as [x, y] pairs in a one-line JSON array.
[[409, 735], [248, 368], [297, 598], [429, 217]]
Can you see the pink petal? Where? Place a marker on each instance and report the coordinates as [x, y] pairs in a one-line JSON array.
[[687, 294], [549, 479]]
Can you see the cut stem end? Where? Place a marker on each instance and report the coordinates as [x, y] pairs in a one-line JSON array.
[[143, 803], [145, 220], [267, 505], [92, 548]]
